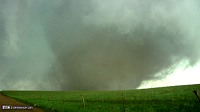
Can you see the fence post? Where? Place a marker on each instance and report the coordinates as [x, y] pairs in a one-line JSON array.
[[83, 101], [196, 92], [123, 103], [48, 99], [63, 99]]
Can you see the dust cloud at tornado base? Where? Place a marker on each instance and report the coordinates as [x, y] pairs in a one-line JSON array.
[[96, 45]]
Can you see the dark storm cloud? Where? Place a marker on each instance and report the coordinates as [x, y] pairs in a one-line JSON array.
[[101, 45], [2, 32], [117, 45]]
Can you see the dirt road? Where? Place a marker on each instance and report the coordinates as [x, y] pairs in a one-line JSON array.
[[4, 100]]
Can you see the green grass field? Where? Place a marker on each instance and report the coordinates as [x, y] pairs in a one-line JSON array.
[[166, 99]]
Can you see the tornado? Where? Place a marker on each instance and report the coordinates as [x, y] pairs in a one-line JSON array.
[[95, 45]]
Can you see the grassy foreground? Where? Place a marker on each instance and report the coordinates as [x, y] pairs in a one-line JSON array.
[[166, 99]]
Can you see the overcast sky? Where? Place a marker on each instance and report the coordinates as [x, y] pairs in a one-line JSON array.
[[98, 44]]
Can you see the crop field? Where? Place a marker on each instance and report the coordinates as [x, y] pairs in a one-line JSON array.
[[175, 98]]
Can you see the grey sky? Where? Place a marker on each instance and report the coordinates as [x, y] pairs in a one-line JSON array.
[[92, 44]]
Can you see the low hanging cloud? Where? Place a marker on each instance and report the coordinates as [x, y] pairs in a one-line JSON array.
[[95, 45]]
